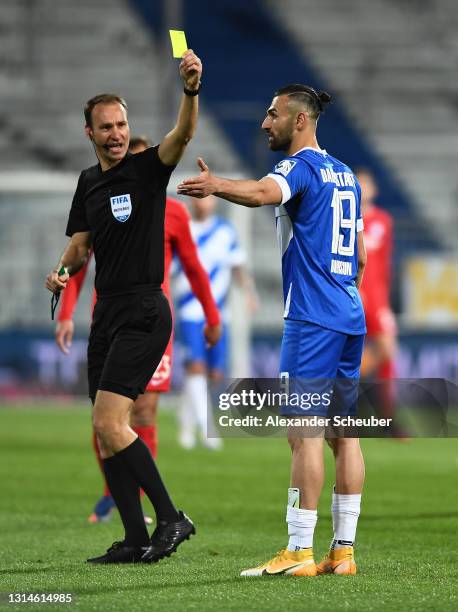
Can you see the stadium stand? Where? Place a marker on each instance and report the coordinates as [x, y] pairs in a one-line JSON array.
[[55, 57]]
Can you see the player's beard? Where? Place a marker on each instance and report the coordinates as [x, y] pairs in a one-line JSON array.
[[281, 142]]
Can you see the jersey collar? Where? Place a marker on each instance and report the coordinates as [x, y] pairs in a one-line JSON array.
[[113, 169], [208, 222], [322, 151]]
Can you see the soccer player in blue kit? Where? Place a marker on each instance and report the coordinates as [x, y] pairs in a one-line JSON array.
[[320, 232]]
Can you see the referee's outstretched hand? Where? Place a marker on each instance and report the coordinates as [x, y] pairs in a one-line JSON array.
[[212, 334]]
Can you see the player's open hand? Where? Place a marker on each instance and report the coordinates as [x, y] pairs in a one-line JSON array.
[[191, 70], [212, 334], [64, 335], [56, 283], [199, 186]]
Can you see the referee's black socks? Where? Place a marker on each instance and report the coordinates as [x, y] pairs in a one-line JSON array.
[[137, 458], [126, 494]]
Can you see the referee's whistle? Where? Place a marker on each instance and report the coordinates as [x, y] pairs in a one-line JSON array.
[[55, 296]]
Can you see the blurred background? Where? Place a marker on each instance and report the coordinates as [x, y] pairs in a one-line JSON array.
[[391, 67]]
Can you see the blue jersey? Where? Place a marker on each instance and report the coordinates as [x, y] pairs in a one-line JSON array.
[[317, 225]]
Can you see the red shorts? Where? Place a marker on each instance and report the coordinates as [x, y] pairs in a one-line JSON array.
[[160, 382], [379, 320]]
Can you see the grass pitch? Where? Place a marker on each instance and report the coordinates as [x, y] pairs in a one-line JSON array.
[[406, 549]]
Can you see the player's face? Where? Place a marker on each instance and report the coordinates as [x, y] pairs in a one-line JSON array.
[[203, 208], [278, 124], [368, 186], [110, 132]]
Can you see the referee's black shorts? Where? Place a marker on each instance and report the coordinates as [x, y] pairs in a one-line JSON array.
[[128, 337]]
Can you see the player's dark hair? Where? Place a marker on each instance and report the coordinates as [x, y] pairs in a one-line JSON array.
[[138, 141], [105, 98], [363, 170], [315, 101]]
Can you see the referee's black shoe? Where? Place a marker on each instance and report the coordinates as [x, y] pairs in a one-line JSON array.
[[120, 553], [167, 537]]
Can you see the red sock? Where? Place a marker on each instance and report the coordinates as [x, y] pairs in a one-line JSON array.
[[386, 373], [95, 444], [149, 436], [386, 370]]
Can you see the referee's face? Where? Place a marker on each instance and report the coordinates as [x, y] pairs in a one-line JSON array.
[[278, 124], [109, 133]]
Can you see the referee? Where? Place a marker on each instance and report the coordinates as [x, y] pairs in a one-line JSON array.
[[118, 210]]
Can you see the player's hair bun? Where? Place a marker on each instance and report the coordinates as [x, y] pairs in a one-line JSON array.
[[324, 97]]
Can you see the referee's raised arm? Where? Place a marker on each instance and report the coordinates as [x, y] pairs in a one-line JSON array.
[[172, 147]]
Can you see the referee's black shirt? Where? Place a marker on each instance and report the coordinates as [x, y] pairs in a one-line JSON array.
[[124, 210]]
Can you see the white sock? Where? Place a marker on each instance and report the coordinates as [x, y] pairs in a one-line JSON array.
[[345, 513], [196, 391], [186, 412], [301, 525]]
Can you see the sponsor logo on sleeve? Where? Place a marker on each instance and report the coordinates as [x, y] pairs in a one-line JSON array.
[[121, 207], [285, 166]]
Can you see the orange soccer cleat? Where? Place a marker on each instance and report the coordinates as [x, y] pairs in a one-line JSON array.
[[338, 561], [286, 563]]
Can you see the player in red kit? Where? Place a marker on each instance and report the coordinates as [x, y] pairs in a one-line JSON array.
[[380, 349], [178, 239]]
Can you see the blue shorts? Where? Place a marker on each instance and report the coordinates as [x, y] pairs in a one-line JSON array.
[[316, 360], [192, 336]]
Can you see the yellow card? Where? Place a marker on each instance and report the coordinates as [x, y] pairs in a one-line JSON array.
[[179, 44]]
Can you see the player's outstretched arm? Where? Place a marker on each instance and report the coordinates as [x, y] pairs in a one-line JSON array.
[[250, 193], [172, 147], [73, 259]]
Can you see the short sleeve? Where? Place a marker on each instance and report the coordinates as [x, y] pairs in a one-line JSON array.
[[292, 176], [151, 168], [77, 219]]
